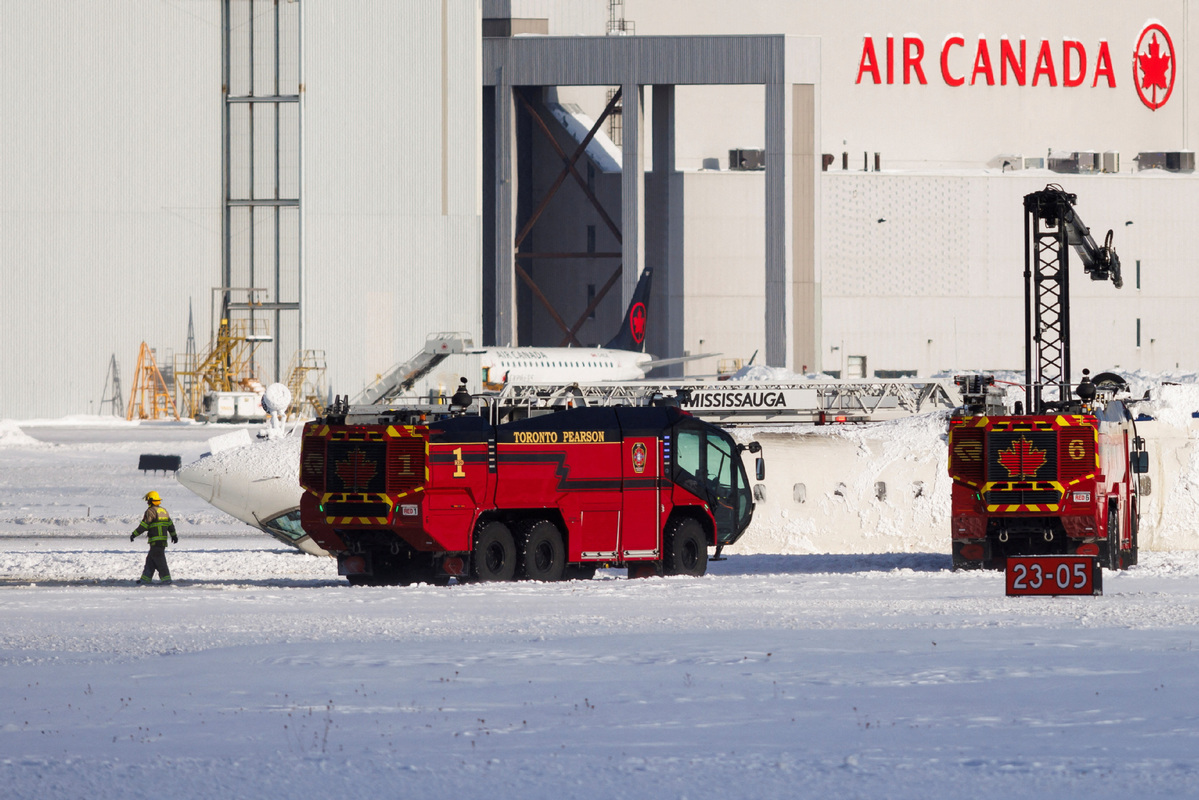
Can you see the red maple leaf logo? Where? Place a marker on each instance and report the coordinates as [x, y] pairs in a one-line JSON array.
[[637, 323], [356, 470], [1022, 460], [1154, 66]]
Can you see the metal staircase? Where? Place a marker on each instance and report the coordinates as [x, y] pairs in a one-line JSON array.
[[401, 377]]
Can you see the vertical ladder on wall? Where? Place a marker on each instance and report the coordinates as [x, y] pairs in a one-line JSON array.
[[261, 227], [150, 398]]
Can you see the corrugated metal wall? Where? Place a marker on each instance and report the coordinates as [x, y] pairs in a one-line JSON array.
[[110, 191], [110, 186], [392, 204]]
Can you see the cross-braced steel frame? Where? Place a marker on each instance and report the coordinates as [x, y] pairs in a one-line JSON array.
[[568, 170], [1046, 297]]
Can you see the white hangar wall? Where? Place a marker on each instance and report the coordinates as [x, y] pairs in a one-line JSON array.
[[939, 284], [110, 186], [110, 191], [392, 180]]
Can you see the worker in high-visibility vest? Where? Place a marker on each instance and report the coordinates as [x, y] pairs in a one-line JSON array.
[[157, 523]]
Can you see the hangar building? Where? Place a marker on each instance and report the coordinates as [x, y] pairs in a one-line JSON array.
[[342, 161]]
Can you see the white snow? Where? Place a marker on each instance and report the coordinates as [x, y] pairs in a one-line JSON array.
[[817, 673]]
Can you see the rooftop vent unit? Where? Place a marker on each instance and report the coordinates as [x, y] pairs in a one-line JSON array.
[[746, 159], [1081, 162], [1006, 162], [1171, 161], [1066, 163]]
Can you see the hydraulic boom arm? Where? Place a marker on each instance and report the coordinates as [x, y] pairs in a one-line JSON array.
[[1052, 229]]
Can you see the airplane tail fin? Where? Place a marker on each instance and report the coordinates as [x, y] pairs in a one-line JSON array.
[[632, 329]]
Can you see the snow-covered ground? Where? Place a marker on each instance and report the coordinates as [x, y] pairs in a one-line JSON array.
[[261, 674]]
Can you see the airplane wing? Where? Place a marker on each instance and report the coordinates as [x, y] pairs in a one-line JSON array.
[[665, 362]]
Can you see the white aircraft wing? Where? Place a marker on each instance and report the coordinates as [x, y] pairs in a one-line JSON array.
[[665, 362]]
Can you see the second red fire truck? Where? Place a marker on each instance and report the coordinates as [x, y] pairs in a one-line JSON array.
[[1061, 479]]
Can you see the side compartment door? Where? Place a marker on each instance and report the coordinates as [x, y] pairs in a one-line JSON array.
[[459, 483], [641, 524]]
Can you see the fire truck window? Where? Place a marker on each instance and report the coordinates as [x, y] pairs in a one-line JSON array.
[[720, 463], [688, 446]]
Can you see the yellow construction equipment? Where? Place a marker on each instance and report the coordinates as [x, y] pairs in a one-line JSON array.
[[150, 398], [306, 381], [226, 366]]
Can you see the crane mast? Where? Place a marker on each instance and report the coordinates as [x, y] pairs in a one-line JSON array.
[[1052, 228]]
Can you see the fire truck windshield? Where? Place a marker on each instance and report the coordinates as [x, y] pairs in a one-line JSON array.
[[706, 464]]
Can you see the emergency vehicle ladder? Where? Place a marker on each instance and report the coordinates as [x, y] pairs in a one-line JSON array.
[[820, 401]]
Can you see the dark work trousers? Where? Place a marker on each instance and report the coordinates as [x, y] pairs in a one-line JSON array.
[[156, 560]]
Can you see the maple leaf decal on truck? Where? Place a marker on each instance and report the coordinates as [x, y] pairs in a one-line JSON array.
[[356, 470], [1022, 459]]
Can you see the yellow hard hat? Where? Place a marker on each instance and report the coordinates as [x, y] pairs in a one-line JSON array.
[[152, 497]]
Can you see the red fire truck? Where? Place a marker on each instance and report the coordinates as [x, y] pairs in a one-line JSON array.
[[482, 492], [1063, 478]]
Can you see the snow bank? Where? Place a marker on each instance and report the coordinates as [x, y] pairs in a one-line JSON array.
[[11, 435], [871, 488]]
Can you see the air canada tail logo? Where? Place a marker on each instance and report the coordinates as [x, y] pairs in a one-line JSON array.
[[1022, 459], [637, 322], [1153, 66]]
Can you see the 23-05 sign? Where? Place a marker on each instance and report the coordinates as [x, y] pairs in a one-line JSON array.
[[1049, 575]]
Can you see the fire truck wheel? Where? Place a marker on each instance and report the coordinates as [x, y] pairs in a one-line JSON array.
[[1134, 524], [495, 553], [1113, 539], [542, 555], [686, 548]]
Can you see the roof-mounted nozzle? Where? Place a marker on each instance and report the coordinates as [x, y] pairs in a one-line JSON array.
[[1086, 390], [462, 398]]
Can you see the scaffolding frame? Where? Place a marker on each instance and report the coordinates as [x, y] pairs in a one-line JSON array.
[[268, 141], [227, 364], [150, 398], [306, 382]]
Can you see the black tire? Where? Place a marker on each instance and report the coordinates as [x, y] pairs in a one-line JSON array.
[[1114, 561], [542, 555], [495, 553], [685, 551], [1134, 523]]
